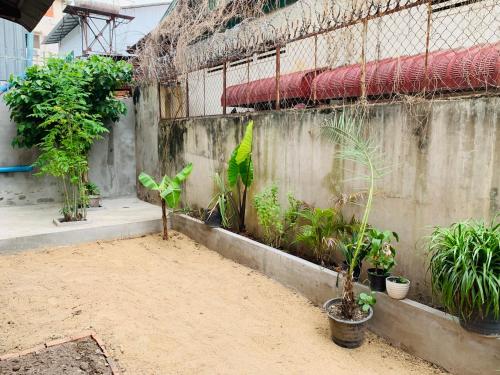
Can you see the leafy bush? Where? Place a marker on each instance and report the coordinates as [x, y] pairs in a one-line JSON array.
[[61, 107], [465, 268], [32, 98], [277, 224]]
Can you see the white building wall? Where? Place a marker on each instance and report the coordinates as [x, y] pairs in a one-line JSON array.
[[145, 19], [399, 34]]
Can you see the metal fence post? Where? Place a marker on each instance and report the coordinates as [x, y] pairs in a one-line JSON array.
[[224, 83], [278, 73]]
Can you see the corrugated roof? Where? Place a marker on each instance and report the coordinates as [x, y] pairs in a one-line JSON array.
[[63, 28], [24, 12]]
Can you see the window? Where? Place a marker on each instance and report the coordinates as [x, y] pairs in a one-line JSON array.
[[36, 40]]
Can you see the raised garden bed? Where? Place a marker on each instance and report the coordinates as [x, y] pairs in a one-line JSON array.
[[81, 354], [417, 328]]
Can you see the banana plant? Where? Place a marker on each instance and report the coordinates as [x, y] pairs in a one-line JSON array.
[[240, 172], [169, 190]]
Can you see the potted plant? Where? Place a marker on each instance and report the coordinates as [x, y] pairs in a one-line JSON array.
[[169, 190], [94, 194], [397, 287], [381, 255], [465, 273], [347, 316]]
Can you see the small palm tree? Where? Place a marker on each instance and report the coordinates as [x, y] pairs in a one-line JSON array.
[[348, 132], [169, 190]]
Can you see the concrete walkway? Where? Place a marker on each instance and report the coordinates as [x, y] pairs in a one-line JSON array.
[[27, 227]]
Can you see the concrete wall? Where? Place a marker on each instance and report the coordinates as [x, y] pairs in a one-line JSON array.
[[112, 164], [444, 159]]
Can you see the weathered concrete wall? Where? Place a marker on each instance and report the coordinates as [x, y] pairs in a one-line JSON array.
[[147, 119], [444, 164], [112, 164]]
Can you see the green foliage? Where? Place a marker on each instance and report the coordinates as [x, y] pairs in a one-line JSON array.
[[269, 215], [169, 188], [381, 253], [349, 134], [92, 189], [240, 166], [276, 223], [398, 279], [223, 201], [320, 232], [465, 267], [240, 172], [89, 83], [365, 301]]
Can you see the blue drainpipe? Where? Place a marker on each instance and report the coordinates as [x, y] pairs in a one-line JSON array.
[[16, 168]]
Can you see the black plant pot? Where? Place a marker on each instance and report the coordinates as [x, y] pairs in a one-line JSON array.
[[483, 324], [214, 218], [346, 333], [377, 279], [357, 270]]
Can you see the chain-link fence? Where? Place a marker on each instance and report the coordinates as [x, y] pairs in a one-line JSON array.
[[322, 53]]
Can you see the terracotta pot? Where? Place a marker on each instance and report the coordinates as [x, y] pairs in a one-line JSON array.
[[94, 201], [396, 290]]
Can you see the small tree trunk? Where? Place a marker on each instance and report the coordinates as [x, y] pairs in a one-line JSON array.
[[348, 301], [164, 219], [242, 211]]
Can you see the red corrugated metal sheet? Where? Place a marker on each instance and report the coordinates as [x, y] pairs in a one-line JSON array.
[[292, 86], [451, 70]]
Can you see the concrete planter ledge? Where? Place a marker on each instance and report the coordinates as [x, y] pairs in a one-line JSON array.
[[418, 329]]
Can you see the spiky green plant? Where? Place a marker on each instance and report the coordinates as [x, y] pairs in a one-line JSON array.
[[465, 268], [223, 201], [348, 132]]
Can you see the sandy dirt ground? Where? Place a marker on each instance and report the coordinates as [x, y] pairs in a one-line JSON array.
[[177, 308]]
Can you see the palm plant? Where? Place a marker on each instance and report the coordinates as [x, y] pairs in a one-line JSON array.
[[465, 268], [319, 231], [169, 190], [348, 132]]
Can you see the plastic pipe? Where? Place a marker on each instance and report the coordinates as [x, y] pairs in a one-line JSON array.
[[16, 168]]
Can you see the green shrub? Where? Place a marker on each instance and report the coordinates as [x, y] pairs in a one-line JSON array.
[[276, 224], [44, 86], [465, 267]]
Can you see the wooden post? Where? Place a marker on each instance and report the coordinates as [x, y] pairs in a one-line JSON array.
[[278, 73], [224, 83]]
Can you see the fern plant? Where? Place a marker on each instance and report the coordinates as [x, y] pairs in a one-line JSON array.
[[169, 190], [348, 133], [465, 268]]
